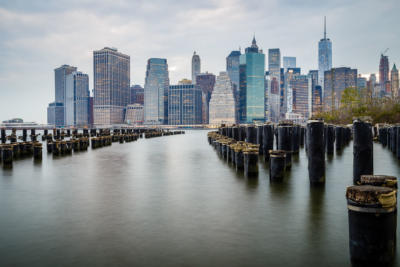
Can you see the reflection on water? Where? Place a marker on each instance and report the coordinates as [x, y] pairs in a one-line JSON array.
[[173, 201]]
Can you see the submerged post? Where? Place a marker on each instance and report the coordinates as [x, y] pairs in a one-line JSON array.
[[372, 224], [363, 162], [268, 140], [316, 152], [277, 165]]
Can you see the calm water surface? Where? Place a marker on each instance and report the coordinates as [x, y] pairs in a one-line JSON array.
[[171, 201]]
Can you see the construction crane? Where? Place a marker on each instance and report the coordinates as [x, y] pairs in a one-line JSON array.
[[384, 52]]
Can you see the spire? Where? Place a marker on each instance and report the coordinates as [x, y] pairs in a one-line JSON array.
[[394, 67], [254, 40], [324, 27]]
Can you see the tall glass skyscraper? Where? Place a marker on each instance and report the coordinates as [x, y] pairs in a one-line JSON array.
[[324, 57], [232, 68], [77, 99], [196, 67], [111, 86], [184, 104], [274, 69], [384, 74], [156, 92], [252, 84]]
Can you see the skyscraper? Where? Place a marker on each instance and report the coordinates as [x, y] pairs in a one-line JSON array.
[[324, 57], [184, 104], [336, 81], [299, 95], [361, 83], [222, 103], [55, 114], [156, 91], [60, 75], [316, 92], [232, 68], [196, 67], [206, 82], [111, 86], [77, 99], [137, 94], [289, 62], [384, 74], [252, 84], [394, 77], [274, 69]]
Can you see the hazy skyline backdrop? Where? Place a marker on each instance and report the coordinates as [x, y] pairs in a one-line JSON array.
[[38, 36]]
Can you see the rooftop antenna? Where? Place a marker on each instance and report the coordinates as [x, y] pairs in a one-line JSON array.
[[324, 27]]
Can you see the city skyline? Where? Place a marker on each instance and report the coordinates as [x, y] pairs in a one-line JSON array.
[[35, 48]]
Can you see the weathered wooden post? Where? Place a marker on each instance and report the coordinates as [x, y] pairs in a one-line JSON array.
[[316, 152], [363, 161], [277, 165]]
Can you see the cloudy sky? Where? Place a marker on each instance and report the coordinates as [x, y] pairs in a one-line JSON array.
[[38, 36]]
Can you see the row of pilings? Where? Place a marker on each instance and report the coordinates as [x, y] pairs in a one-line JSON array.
[[389, 136], [62, 142], [371, 200]]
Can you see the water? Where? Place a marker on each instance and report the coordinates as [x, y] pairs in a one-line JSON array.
[[171, 201]]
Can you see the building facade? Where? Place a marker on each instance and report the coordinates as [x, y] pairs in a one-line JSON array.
[[324, 58], [196, 66], [336, 81], [206, 82], [77, 100], [137, 95], [111, 86], [232, 68], [156, 92], [394, 77], [222, 103], [55, 114], [184, 104], [299, 95], [252, 84], [289, 62], [384, 74], [134, 114]]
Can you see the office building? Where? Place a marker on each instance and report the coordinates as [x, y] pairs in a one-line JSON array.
[[196, 67], [394, 77], [336, 81], [384, 74], [289, 62], [76, 98], [137, 95], [55, 114], [206, 82], [184, 104], [134, 114], [111, 86], [156, 92], [361, 83], [299, 96], [232, 68], [252, 84], [324, 57], [222, 102]]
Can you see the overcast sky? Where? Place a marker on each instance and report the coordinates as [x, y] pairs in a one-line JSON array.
[[38, 36]]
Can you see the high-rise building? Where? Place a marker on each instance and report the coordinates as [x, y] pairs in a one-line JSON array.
[[371, 84], [55, 114], [206, 82], [299, 96], [156, 91], [137, 94], [196, 67], [90, 112], [134, 114], [289, 62], [222, 103], [232, 67], [316, 92], [384, 74], [336, 81], [184, 104], [394, 77], [324, 58], [111, 86], [252, 84], [361, 83], [274, 69], [60, 75], [76, 100]]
